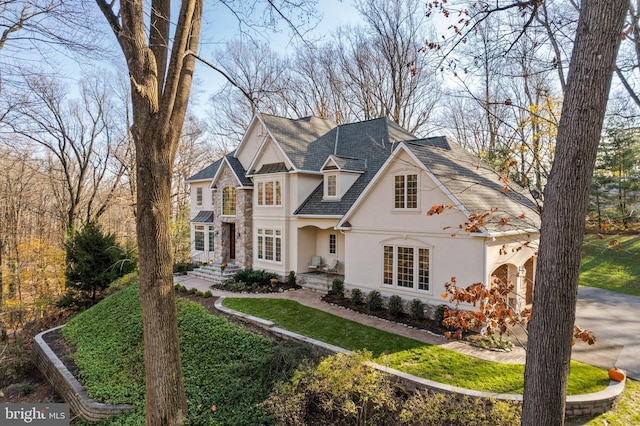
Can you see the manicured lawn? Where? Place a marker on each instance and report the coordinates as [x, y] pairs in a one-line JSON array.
[[417, 358], [328, 328], [606, 267]]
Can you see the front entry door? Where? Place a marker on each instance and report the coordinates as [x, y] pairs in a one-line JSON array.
[[232, 241]]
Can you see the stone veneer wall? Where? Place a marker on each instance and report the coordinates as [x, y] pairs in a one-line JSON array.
[[242, 221], [576, 405], [67, 386]]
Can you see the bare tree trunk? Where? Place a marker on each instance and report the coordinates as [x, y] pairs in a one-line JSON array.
[[161, 78], [165, 397], [563, 216]]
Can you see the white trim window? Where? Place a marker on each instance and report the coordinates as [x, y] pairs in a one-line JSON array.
[[406, 267], [333, 247], [198, 237], [270, 245], [199, 197], [212, 238], [406, 192], [332, 186], [270, 193]]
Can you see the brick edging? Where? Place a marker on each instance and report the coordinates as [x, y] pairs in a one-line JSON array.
[[68, 386], [576, 405]]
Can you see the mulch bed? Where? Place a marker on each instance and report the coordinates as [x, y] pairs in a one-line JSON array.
[[257, 288], [424, 324]]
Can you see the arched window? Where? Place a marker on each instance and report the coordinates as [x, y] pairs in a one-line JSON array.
[[229, 201]]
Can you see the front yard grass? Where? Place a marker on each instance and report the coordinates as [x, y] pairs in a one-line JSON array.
[[408, 355], [613, 267]]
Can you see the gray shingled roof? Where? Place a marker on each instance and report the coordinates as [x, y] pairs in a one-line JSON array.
[[304, 140], [210, 171], [207, 173], [239, 170], [371, 141], [348, 164], [478, 187]]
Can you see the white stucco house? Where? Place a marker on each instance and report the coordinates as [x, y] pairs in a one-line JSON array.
[[359, 194]]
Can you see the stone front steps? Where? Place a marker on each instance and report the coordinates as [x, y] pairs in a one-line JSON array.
[[214, 272]]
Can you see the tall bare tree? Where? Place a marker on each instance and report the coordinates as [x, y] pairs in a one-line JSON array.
[[80, 137], [258, 81], [161, 59], [563, 217], [30, 235], [160, 66]]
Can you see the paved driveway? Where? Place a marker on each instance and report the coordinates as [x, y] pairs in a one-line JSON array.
[[615, 320]]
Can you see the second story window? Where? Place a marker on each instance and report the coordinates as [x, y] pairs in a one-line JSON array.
[[332, 186], [406, 192], [229, 201], [199, 196], [269, 193]]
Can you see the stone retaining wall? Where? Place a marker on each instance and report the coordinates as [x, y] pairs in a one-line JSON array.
[[67, 386], [576, 405], [73, 393]]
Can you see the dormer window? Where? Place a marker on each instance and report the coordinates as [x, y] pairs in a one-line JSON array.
[[332, 186], [339, 174]]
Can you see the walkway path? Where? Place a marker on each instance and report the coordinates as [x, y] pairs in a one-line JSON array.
[[312, 299], [614, 318]]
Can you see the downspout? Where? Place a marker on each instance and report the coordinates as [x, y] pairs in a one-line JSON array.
[[485, 278], [287, 233]]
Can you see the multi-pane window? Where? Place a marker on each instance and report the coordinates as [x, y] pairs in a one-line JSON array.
[[278, 249], [270, 245], [332, 187], [332, 244], [406, 192], [423, 269], [199, 196], [229, 201], [269, 193], [406, 267], [212, 236], [198, 237], [388, 265]]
